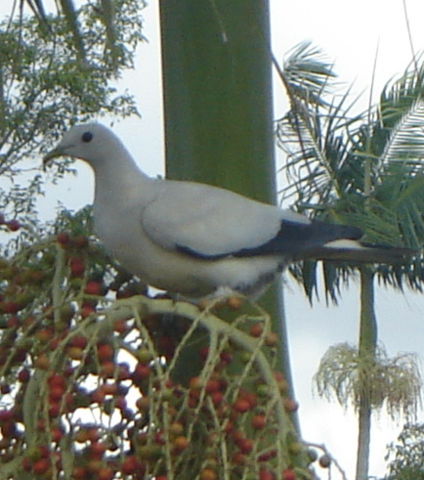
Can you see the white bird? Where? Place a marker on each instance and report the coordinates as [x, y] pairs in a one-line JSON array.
[[196, 239]]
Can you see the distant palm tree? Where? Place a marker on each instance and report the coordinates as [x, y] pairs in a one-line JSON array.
[[369, 382], [361, 169]]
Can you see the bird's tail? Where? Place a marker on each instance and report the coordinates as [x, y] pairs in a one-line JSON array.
[[354, 251]]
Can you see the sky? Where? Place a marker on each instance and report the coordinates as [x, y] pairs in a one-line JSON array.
[[349, 33]]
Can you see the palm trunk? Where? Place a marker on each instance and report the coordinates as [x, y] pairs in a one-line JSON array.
[[367, 350], [218, 107]]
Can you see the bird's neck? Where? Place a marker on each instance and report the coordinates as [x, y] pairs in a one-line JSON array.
[[120, 179]]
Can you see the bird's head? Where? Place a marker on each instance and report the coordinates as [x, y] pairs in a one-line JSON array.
[[91, 142]]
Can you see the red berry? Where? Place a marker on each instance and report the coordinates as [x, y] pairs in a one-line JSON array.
[[98, 396], [250, 397], [63, 238], [290, 405], [97, 449], [121, 326], [10, 307], [217, 398], [56, 393], [196, 383], [93, 288], [54, 409], [176, 428], [24, 375], [241, 405], [181, 443], [212, 385], [75, 353], [42, 362], [44, 334], [265, 474], [87, 309], [57, 434], [141, 372], [79, 473], [78, 341], [143, 404], [226, 357], [105, 473], [258, 421], [160, 438], [108, 369], [56, 380], [325, 460], [93, 434], [105, 352], [27, 464], [208, 474], [264, 457], [271, 339], [13, 322], [5, 388], [77, 266], [41, 466], [245, 445], [6, 415], [13, 225], [129, 465], [289, 474], [239, 458], [109, 388], [257, 329]]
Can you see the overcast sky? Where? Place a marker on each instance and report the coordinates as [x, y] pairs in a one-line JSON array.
[[349, 33]]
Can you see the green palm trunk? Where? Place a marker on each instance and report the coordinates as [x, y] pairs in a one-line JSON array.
[[367, 349], [218, 102]]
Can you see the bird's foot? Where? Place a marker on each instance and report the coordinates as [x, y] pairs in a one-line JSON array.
[[223, 296]]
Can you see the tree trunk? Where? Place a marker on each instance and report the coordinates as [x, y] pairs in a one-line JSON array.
[[218, 106], [367, 349]]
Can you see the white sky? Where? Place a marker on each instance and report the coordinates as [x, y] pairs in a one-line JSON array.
[[348, 32]]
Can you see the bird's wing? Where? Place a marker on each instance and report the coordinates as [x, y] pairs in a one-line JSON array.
[[209, 222]]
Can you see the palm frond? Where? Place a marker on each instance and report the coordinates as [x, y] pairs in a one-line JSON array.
[[306, 74], [320, 165], [406, 141]]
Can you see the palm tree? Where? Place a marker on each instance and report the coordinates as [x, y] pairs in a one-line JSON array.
[[369, 382], [359, 169]]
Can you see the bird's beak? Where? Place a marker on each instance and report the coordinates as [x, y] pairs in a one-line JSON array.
[[56, 152]]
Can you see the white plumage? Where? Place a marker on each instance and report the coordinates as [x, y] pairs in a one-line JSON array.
[[194, 239]]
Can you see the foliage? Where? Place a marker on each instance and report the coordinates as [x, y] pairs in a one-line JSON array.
[[407, 455], [362, 169], [107, 11], [394, 383], [44, 87], [95, 395]]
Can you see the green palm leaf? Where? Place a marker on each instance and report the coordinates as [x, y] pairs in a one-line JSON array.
[[406, 140], [363, 169]]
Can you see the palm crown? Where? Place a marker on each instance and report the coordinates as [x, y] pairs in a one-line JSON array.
[[362, 169]]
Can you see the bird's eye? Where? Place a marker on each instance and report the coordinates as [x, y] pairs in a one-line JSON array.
[[87, 137]]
